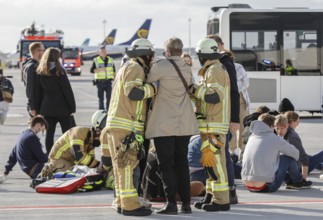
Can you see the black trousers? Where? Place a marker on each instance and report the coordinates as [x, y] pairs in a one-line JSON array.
[[66, 123], [104, 87], [173, 164]]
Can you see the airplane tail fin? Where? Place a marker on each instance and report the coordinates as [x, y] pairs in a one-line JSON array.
[[86, 42], [109, 40], [142, 32]]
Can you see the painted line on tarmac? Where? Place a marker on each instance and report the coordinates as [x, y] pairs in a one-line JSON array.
[[101, 206]]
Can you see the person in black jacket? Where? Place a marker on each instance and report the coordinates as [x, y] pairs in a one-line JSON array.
[[28, 150], [5, 86], [54, 96], [29, 67], [227, 61]]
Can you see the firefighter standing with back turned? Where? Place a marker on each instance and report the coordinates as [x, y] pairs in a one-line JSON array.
[[213, 114], [125, 124], [104, 71]]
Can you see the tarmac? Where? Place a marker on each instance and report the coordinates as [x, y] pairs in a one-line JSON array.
[[19, 201]]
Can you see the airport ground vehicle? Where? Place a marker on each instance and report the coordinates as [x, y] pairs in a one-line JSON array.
[[72, 60], [32, 34], [263, 39]]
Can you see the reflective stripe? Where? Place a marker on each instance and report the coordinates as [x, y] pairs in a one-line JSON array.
[[104, 146], [126, 124], [77, 142], [206, 143], [108, 73], [209, 184], [63, 148], [115, 102], [217, 187], [117, 190], [213, 127], [128, 193], [127, 177], [201, 92], [216, 85], [219, 168], [86, 160], [134, 82]]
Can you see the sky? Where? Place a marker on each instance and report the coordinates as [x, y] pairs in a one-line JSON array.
[[80, 19]]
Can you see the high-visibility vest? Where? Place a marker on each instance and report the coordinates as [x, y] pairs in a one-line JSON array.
[[109, 71]]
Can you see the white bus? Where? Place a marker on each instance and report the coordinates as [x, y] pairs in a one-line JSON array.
[[263, 39]]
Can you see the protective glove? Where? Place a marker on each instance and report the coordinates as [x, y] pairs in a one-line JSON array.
[[3, 178], [208, 158], [48, 170]]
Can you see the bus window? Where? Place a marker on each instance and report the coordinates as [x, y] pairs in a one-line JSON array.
[[300, 47], [261, 45]]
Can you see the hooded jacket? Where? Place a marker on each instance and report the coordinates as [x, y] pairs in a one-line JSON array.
[[29, 77], [261, 156]]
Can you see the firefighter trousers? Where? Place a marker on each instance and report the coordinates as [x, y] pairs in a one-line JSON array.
[[126, 194], [217, 181]]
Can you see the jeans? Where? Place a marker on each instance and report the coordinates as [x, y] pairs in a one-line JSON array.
[[107, 88], [315, 162], [199, 175], [230, 169], [286, 164]]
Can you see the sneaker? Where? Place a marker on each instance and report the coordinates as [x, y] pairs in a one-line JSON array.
[[3, 179], [144, 203], [321, 176], [299, 185]]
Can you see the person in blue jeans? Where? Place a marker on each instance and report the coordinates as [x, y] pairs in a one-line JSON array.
[[307, 163], [268, 158], [197, 171]]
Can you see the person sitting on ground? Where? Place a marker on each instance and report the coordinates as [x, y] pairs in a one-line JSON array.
[[28, 150], [76, 147], [285, 105], [267, 159], [306, 162]]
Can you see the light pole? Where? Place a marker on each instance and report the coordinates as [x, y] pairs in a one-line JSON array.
[[104, 23], [189, 36]]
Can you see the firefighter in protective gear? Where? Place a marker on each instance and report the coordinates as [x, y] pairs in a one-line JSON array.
[[213, 114], [104, 73], [76, 146], [127, 115]]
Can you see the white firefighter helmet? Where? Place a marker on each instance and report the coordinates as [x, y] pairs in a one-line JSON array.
[[99, 119], [140, 47], [207, 49]]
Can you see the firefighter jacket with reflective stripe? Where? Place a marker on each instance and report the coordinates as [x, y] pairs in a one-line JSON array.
[[126, 114], [75, 145], [213, 118], [108, 73]]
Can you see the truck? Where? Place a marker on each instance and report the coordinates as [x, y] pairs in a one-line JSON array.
[[33, 34], [72, 60]]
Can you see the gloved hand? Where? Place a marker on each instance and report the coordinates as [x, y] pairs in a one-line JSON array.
[[208, 158], [48, 170], [192, 88], [3, 178]]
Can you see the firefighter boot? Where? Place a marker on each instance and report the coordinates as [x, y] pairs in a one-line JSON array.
[[169, 209], [141, 211], [233, 195], [207, 199], [213, 207]]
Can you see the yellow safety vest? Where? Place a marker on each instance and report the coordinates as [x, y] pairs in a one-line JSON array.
[[109, 71]]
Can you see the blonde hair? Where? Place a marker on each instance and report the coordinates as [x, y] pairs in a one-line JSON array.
[[187, 55], [281, 120], [291, 116], [51, 55]]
